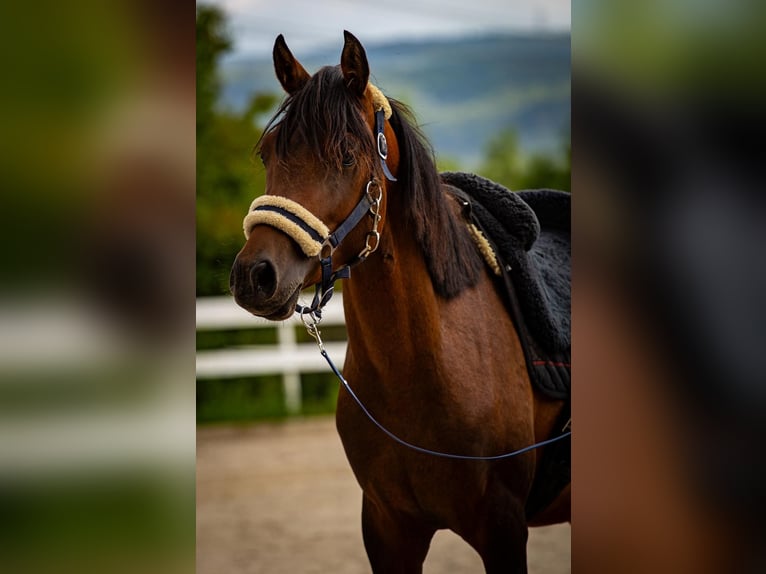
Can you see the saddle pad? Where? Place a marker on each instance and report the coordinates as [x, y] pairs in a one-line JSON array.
[[530, 234]]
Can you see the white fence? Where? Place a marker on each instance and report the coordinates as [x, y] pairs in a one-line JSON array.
[[288, 358]]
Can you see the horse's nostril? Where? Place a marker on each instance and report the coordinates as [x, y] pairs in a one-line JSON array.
[[234, 275], [264, 278]]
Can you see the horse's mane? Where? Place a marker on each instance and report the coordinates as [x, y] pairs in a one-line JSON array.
[[326, 116], [451, 257]]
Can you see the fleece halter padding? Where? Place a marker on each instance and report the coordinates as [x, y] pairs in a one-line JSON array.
[[289, 217], [379, 101]]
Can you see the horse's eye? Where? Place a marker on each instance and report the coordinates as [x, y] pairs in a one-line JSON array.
[[348, 159]]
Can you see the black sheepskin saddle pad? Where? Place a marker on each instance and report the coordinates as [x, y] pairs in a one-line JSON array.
[[529, 231]]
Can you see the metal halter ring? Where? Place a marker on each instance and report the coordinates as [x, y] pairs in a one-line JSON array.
[[310, 319], [373, 237], [326, 245], [375, 201]]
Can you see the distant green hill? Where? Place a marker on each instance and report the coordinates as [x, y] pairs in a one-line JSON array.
[[463, 90]]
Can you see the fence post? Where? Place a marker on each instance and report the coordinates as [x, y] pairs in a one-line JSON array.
[[291, 378]]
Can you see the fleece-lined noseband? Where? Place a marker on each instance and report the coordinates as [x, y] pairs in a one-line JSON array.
[[290, 218], [311, 234]]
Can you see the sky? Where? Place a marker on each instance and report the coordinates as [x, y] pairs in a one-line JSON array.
[[312, 24]]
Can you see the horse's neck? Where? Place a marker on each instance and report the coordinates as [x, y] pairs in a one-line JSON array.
[[390, 303]]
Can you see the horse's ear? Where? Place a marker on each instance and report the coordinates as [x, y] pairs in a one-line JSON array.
[[353, 63], [289, 71]]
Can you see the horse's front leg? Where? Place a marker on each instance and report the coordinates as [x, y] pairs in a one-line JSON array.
[[396, 543], [500, 536]]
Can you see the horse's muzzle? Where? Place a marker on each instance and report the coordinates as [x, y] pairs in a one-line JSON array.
[[254, 286], [268, 275]]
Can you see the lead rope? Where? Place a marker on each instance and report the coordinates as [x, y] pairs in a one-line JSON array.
[[311, 323]]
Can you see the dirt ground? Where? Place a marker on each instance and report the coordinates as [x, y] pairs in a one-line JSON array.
[[281, 498]]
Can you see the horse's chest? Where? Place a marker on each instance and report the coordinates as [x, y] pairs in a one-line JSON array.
[[406, 480]]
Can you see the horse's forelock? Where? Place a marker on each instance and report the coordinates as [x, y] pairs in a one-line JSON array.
[[328, 118]]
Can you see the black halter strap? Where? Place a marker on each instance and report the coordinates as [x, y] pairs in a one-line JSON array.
[[358, 213], [380, 139], [324, 289]]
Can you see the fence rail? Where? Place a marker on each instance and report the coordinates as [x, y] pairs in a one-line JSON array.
[[288, 358]]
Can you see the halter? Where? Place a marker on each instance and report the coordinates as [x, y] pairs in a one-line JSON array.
[[314, 237]]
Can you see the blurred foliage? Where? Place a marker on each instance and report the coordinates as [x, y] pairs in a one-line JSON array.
[[240, 399], [212, 42], [119, 522], [261, 398], [447, 163], [660, 47], [227, 176], [505, 164], [210, 340]]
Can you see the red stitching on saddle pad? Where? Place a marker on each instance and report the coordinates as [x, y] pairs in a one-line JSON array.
[[552, 363]]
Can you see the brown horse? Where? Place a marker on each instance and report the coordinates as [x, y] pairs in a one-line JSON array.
[[432, 351]]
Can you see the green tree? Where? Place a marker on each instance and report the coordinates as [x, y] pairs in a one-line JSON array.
[[505, 164], [212, 42], [502, 161], [227, 176]]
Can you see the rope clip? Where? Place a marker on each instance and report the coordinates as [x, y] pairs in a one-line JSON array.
[[311, 322]]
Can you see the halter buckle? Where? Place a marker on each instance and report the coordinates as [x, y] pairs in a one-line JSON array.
[[382, 146]]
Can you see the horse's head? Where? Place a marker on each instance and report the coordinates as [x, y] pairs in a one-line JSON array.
[[321, 156]]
